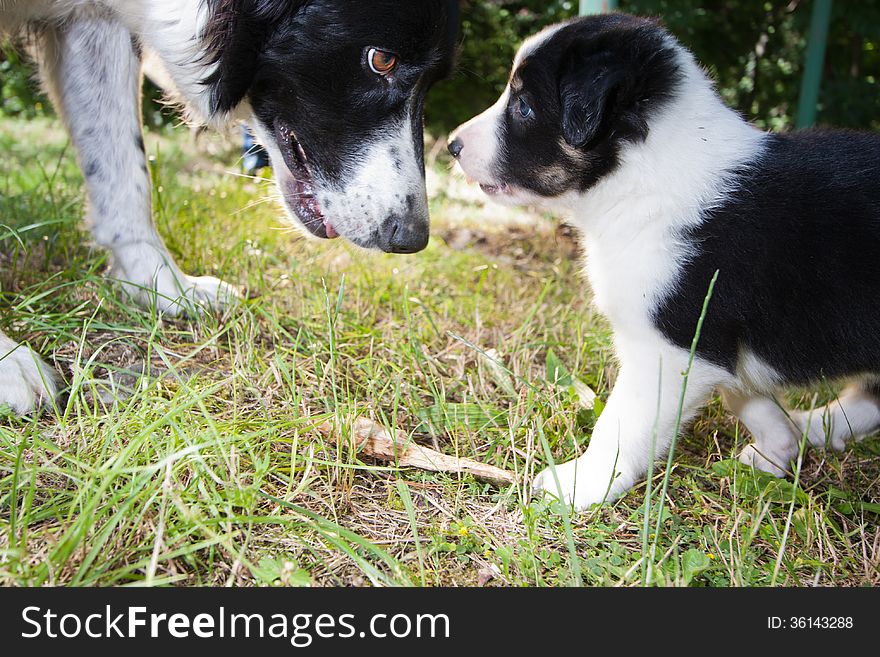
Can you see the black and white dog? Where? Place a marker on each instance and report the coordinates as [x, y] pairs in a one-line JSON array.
[[611, 121], [333, 88]]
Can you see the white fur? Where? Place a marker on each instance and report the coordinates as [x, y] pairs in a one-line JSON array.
[[26, 382], [91, 71], [387, 175], [852, 416], [171, 28], [481, 136], [754, 374], [776, 435], [534, 42]]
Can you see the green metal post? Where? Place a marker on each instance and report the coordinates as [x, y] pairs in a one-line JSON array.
[[816, 44], [597, 6]]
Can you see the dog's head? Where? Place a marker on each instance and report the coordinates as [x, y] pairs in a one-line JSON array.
[[337, 89], [577, 93]]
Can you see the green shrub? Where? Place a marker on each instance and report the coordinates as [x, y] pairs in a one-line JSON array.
[[19, 94]]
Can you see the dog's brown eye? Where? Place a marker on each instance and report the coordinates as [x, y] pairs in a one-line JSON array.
[[381, 62]]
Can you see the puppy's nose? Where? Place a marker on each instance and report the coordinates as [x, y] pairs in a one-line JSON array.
[[455, 148], [408, 234]]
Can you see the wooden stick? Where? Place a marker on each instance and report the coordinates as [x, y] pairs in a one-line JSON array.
[[374, 440]]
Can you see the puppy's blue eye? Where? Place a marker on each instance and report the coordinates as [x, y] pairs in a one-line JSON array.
[[525, 110]]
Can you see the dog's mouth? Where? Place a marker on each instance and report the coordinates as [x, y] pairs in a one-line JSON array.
[[299, 189]]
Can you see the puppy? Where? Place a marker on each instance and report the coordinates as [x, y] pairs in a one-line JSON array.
[[334, 90], [611, 121]]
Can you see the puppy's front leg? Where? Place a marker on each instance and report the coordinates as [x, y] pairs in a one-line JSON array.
[[644, 404], [91, 66]]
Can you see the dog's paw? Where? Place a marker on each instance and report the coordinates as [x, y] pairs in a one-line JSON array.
[[193, 295], [771, 463], [571, 485], [26, 382], [151, 278]]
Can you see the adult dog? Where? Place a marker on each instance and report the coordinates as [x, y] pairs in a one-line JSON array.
[[333, 88], [609, 119]]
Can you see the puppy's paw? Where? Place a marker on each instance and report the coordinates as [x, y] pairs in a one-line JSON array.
[[771, 463], [817, 424], [573, 485], [546, 484], [26, 382]]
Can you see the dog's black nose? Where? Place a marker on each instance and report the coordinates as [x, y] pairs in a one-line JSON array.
[[405, 234], [455, 148]]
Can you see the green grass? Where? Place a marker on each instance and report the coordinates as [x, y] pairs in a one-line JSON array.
[[185, 452]]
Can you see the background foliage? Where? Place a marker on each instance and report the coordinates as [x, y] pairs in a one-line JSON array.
[[18, 95], [754, 49]]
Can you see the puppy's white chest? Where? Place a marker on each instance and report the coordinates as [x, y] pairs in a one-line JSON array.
[[630, 274]]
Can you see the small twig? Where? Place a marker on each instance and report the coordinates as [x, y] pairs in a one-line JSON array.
[[377, 442]]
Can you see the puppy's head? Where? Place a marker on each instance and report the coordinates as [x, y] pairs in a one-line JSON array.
[[577, 93], [337, 90]]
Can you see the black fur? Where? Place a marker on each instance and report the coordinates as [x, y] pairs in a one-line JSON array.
[[234, 37], [601, 80], [301, 63], [312, 75], [797, 247]]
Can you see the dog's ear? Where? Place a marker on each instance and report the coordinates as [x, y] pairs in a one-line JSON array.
[[587, 88], [234, 36]]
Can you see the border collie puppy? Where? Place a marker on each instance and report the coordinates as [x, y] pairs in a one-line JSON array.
[[611, 121], [334, 90]]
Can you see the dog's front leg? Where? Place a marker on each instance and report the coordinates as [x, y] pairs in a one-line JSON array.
[[92, 68], [639, 419]]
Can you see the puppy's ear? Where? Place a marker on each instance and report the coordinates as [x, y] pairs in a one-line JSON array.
[[234, 37], [587, 88]]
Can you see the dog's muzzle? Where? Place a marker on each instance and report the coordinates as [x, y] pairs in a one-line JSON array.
[[404, 234]]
